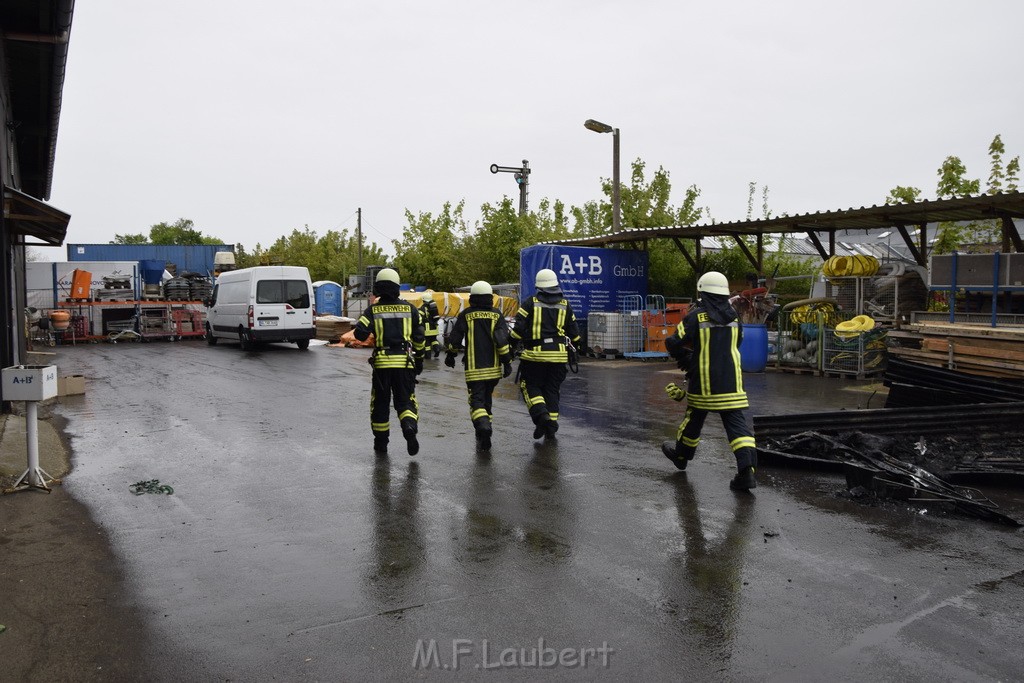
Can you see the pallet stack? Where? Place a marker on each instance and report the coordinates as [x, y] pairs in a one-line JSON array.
[[331, 327], [971, 348]]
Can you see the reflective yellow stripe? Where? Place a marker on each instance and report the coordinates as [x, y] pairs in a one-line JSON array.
[[704, 361], [408, 413], [742, 442], [719, 402], [736, 358], [546, 356], [479, 374]]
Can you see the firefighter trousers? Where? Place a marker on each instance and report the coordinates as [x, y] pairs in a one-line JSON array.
[[397, 385], [480, 394], [741, 437], [541, 386]]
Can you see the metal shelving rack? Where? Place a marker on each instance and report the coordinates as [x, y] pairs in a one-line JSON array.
[[151, 319]]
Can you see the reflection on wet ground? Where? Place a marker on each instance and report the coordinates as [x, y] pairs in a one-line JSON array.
[[710, 562], [290, 551]]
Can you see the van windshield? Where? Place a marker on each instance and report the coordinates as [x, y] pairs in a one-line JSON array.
[[292, 292]]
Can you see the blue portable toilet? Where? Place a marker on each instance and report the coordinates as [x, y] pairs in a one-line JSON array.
[[327, 295]]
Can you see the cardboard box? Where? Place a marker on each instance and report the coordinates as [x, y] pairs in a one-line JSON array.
[[70, 385]]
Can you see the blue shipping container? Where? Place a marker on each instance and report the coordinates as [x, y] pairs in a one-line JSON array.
[[327, 295], [196, 258]]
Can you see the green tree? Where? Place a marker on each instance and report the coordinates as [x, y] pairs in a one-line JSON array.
[[333, 256], [997, 174], [954, 183], [181, 232], [1012, 174], [430, 248], [903, 195], [137, 238]]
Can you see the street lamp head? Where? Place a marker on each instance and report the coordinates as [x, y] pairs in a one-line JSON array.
[[597, 126]]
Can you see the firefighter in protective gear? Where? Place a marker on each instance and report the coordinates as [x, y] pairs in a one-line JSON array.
[[397, 358], [488, 355], [430, 318], [706, 346], [543, 324]]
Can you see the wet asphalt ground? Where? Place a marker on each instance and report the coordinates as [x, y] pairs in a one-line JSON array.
[[289, 551]]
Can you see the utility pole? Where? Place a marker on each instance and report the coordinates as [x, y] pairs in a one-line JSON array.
[[359, 236]]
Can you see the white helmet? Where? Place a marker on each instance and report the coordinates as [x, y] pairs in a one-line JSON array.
[[546, 278], [428, 295], [481, 287], [387, 275], [713, 282]]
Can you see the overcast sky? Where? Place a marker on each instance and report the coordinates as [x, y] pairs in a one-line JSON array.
[[256, 118]]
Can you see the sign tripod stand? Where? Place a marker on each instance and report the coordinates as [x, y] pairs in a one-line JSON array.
[[31, 383]]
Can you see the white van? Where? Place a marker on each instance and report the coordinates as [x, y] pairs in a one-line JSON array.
[[261, 304]]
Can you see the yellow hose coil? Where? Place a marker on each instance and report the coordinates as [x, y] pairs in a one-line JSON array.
[[858, 265], [851, 328]]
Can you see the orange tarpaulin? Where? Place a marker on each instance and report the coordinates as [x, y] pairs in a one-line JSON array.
[[349, 339]]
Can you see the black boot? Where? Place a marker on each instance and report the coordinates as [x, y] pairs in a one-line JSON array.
[[540, 429], [409, 432], [669, 448], [744, 480], [551, 428], [380, 444], [483, 433]]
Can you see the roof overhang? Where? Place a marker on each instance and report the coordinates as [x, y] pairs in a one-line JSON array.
[[34, 38], [25, 216], [984, 207]]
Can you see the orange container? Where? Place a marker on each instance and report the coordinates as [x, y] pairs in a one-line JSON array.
[[81, 284], [656, 336], [60, 320], [674, 313]]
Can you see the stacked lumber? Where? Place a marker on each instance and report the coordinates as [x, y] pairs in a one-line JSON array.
[[332, 327], [970, 348]]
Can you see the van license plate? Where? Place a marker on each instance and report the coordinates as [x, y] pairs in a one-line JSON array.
[[268, 323]]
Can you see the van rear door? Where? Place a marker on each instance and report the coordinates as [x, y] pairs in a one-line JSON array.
[[282, 305]]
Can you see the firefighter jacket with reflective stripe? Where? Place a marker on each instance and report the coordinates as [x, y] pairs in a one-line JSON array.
[[716, 379], [542, 324], [430, 315], [397, 328], [486, 336]]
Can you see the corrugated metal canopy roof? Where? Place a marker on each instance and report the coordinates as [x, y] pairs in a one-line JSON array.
[[28, 217], [874, 218]]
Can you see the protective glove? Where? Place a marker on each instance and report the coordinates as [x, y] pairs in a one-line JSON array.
[[506, 369], [449, 360], [418, 364], [675, 392]]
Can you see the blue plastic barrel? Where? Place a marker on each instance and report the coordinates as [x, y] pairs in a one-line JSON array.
[[405, 287], [754, 348], [152, 271]]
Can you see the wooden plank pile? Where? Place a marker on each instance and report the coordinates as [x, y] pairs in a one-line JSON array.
[[970, 348], [331, 327]]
